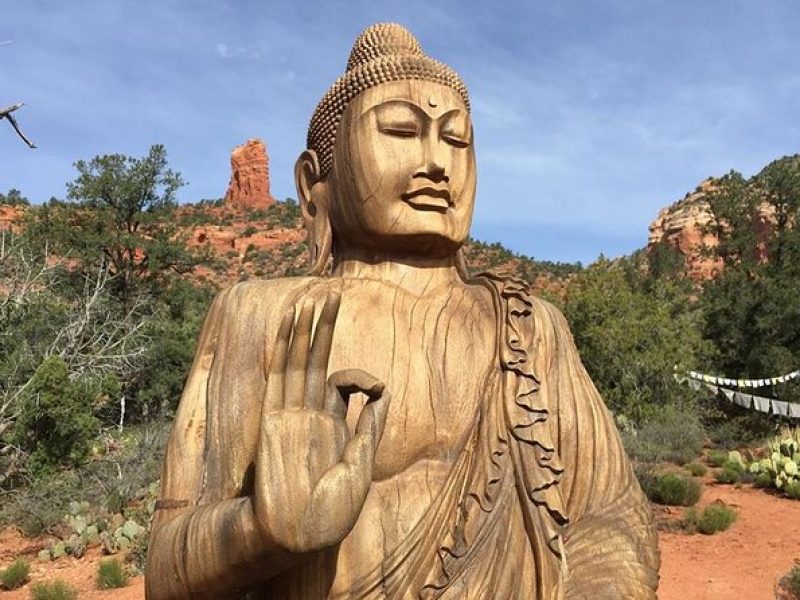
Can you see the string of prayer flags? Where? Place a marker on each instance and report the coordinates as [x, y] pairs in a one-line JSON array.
[[742, 383]]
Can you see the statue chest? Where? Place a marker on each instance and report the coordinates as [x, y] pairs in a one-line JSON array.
[[433, 353], [435, 356]]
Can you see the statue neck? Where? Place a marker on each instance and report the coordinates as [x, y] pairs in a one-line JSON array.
[[417, 275]]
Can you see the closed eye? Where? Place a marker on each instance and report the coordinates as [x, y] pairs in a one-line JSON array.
[[399, 131], [455, 140]]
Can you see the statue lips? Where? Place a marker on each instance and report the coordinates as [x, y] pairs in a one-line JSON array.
[[429, 197]]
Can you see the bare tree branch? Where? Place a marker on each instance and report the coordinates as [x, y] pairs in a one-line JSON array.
[[6, 114]]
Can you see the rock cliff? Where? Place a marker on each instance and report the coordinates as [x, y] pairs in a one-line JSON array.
[[682, 226], [249, 185]]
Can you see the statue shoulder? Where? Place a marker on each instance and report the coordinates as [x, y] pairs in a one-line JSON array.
[[548, 313], [254, 306], [553, 332], [260, 292]]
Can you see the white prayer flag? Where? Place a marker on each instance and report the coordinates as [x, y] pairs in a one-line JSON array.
[[761, 404], [742, 400], [780, 408]]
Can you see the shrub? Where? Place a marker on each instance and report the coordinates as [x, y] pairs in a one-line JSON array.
[[716, 458], [56, 589], [56, 423], [696, 469], [647, 479], [714, 518], [793, 490], [15, 575], [674, 490], [729, 426], [762, 480], [672, 434], [40, 506], [727, 474], [110, 574], [792, 580]]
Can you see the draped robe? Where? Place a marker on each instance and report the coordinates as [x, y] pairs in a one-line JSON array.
[[540, 502]]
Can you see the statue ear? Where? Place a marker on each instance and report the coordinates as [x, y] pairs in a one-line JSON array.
[[314, 198]]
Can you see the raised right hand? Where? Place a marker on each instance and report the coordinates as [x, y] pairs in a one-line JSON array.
[[311, 477]]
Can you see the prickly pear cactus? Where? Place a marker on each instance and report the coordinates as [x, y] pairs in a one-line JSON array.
[[782, 465]]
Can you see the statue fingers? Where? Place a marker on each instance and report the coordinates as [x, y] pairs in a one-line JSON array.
[[349, 381], [372, 420], [321, 351], [339, 495], [273, 398], [294, 386]]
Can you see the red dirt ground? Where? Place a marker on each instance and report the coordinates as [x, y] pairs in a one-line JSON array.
[[743, 563]]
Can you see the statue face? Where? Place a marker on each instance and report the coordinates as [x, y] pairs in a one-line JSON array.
[[403, 176]]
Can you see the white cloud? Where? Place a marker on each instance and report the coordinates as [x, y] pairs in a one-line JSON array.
[[223, 51]]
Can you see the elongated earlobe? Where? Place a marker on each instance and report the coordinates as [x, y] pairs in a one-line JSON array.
[[314, 200], [461, 264]]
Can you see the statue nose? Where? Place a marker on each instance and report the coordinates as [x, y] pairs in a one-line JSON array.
[[434, 160]]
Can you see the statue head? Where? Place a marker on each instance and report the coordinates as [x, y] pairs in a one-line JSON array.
[[390, 164]]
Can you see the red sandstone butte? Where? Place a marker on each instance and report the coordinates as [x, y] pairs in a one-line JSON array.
[[682, 226], [249, 186]]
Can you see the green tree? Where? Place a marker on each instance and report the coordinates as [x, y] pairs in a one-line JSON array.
[[14, 198], [56, 424], [753, 308], [43, 319], [120, 217], [631, 333], [158, 384]]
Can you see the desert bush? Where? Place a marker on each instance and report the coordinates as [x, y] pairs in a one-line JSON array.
[[792, 580], [40, 506], [673, 434], [793, 490], [727, 428], [57, 589], [716, 458], [110, 574], [727, 474], [15, 575], [762, 480], [673, 489], [56, 423], [696, 469], [712, 519], [121, 471]]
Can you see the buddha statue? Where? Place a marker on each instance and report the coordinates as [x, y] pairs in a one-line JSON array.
[[396, 428]]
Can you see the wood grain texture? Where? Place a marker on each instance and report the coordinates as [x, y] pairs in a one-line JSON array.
[[396, 429]]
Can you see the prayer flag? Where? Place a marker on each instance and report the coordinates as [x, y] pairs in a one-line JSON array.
[[780, 408]]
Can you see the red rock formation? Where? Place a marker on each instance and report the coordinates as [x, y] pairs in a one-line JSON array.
[[681, 226], [249, 186], [11, 218]]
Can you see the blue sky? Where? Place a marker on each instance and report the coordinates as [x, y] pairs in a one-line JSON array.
[[589, 116]]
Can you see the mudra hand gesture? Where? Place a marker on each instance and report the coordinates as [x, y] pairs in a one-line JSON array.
[[312, 477]]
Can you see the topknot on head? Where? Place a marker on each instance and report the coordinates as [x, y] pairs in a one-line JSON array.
[[383, 53], [383, 39]]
